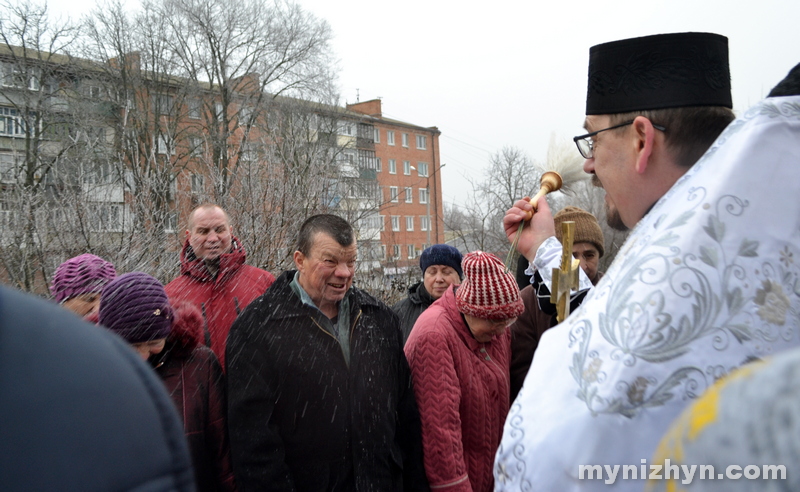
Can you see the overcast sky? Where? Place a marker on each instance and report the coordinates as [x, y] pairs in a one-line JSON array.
[[512, 73]]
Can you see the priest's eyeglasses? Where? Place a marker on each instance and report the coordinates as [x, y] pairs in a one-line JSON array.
[[586, 144]]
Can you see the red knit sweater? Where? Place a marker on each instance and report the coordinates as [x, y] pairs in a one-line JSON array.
[[462, 389]]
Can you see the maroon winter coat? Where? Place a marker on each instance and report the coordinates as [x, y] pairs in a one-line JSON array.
[[219, 298], [195, 381]]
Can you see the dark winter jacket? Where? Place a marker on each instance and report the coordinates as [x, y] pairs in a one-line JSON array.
[[300, 419], [194, 379], [220, 298], [79, 410], [525, 335], [409, 309]]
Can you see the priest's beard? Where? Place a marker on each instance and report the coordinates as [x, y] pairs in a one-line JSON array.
[[613, 219]]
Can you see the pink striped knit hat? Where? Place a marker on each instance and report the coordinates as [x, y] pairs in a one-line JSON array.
[[488, 290]]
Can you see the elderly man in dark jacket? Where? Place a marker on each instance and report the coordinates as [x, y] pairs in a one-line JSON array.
[[320, 397]]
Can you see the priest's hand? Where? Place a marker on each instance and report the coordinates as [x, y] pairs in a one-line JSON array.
[[535, 232]]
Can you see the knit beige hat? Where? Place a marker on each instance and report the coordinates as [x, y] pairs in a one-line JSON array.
[[488, 290], [587, 230]]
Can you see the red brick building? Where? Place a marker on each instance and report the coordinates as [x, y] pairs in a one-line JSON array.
[[408, 173]]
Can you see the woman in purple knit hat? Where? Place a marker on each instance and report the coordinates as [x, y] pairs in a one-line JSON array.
[[135, 306], [78, 281]]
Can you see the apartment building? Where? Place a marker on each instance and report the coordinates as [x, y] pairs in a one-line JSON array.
[[407, 169]]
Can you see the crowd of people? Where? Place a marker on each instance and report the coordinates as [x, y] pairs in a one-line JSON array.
[[305, 382]]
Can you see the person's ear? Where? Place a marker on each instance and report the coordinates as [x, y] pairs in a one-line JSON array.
[[644, 138], [299, 258]]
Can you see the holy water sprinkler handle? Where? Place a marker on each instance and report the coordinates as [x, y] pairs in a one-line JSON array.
[[551, 181]]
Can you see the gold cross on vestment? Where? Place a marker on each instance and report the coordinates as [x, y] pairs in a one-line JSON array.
[[565, 279]]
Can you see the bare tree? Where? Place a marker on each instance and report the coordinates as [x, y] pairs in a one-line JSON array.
[[34, 49], [511, 175], [245, 51]]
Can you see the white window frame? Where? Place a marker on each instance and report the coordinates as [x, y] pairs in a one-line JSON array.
[[411, 251], [424, 223], [197, 183], [389, 137], [392, 166], [195, 110], [393, 194], [405, 140], [423, 195], [376, 135], [218, 111], [396, 223], [407, 168], [165, 145], [410, 223], [383, 251], [396, 251], [422, 142], [422, 169], [197, 148], [409, 194]]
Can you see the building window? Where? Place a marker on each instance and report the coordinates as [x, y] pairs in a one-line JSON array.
[[383, 251], [389, 137], [409, 195], [195, 111], [392, 166], [424, 223], [409, 223], [196, 146], [407, 168], [396, 252], [8, 168], [393, 194], [378, 164], [106, 216], [198, 182], [422, 142], [423, 195], [14, 76], [422, 169], [162, 104], [405, 140], [374, 222], [11, 123], [164, 145], [396, 223], [171, 222], [347, 128], [410, 251], [376, 135], [219, 111]]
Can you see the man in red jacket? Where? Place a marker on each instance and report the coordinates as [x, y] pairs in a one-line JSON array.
[[214, 276]]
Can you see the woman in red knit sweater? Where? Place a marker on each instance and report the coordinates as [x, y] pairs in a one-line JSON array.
[[459, 352]]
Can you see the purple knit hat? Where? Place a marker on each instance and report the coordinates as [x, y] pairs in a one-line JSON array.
[[82, 274], [135, 307]]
